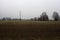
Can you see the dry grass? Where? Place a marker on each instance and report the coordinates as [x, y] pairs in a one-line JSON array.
[[29, 30]]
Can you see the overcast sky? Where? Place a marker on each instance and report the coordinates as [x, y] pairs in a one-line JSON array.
[[28, 8]]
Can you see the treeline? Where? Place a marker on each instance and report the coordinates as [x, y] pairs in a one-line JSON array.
[[44, 17]]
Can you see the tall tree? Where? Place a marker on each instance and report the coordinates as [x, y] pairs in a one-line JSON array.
[[55, 16], [44, 17], [4, 18], [35, 18]]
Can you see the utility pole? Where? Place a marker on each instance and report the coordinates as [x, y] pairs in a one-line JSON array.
[[20, 15]]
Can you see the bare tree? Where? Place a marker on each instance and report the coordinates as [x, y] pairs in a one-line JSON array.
[[35, 18], [31, 19], [44, 17], [59, 18], [3, 18], [55, 16]]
